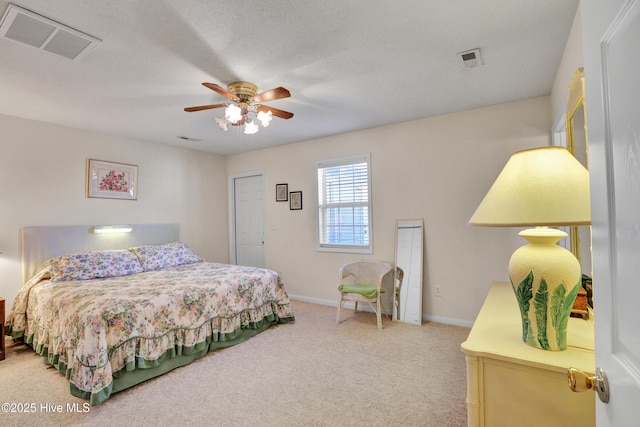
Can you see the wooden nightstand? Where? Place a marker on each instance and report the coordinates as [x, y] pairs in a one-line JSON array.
[[2, 347]]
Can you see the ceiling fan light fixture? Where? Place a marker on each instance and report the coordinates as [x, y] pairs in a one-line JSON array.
[[223, 123], [233, 113], [265, 118], [250, 127], [245, 103]]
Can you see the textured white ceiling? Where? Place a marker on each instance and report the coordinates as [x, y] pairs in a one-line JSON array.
[[349, 64]]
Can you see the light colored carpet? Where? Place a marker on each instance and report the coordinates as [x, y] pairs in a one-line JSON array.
[[308, 373]]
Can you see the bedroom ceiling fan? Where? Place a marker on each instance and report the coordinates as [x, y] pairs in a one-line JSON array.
[[245, 101]]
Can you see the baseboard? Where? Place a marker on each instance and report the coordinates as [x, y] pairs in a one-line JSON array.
[[448, 321], [364, 307], [315, 300]]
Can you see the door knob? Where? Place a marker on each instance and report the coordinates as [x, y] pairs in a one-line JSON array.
[[579, 381]]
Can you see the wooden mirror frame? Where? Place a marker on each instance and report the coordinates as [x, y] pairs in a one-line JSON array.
[[576, 103]]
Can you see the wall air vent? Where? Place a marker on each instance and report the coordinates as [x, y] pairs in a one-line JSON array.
[[470, 58], [27, 27]]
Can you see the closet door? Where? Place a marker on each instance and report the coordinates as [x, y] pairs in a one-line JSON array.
[[249, 220]]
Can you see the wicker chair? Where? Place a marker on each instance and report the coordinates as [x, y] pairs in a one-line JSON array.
[[365, 281]]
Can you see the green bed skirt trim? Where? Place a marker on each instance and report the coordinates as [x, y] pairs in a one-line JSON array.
[[142, 370], [8, 330], [148, 369]]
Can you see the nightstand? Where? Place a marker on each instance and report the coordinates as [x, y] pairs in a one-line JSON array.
[[2, 347]]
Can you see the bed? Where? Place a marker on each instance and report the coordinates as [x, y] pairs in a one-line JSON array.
[[119, 312]]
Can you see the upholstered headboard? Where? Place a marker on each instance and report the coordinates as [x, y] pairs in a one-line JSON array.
[[41, 243]]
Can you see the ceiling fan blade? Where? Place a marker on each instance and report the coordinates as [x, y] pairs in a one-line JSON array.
[[278, 113], [271, 95], [204, 107], [222, 91]]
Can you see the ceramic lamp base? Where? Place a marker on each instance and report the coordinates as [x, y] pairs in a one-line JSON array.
[[545, 278]]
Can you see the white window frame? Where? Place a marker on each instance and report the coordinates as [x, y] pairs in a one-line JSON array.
[[327, 247]]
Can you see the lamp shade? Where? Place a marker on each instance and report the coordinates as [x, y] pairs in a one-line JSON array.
[[544, 186]]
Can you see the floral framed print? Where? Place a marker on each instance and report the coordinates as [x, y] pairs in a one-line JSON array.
[[109, 180], [295, 200], [282, 192]]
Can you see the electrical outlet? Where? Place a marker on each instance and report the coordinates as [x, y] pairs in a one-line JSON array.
[[438, 291]]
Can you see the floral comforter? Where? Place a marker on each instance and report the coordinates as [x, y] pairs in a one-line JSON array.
[[91, 329]]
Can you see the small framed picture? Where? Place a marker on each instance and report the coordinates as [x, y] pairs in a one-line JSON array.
[[295, 200], [282, 192], [111, 180]]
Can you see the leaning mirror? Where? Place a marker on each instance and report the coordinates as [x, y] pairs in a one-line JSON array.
[[407, 302]]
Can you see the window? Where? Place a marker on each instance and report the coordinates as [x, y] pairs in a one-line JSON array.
[[344, 204]]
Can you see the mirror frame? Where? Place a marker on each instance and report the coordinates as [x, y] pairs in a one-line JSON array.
[[394, 313], [575, 101]]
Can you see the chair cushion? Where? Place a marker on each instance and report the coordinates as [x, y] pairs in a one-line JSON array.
[[367, 291]]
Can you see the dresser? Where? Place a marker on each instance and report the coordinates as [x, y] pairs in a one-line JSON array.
[[512, 384]]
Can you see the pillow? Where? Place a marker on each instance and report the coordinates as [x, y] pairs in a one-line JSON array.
[[156, 257], [93, 265]]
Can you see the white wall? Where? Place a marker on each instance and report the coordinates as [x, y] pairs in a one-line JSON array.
[[437, 168], [43, 176], [572, 59]]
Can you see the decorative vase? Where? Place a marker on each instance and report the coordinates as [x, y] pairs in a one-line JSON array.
[[545, 278]]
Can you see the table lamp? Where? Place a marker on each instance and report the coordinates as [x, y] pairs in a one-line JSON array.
[[543, 187]]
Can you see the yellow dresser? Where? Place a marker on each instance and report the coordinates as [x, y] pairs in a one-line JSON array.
[[512, 384]]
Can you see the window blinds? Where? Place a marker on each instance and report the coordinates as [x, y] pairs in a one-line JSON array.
[[344, 203]]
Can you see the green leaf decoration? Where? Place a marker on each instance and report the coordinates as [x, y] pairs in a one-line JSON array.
[[524, 294], [531, 339], [557, 304], [560, 311], [541, 303]]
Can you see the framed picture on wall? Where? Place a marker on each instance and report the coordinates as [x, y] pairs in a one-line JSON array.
[[109, 180], [295, 200], [282, 192]]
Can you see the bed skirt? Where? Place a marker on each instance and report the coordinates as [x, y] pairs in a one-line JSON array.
[[142, 369]]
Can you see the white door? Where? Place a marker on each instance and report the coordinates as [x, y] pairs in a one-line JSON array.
[[611, 37], [249, 220]]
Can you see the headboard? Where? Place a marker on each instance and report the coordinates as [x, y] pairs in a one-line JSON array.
[[41, 243]]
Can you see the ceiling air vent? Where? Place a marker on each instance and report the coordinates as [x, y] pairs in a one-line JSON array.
[[470, 58], [27, 27]]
